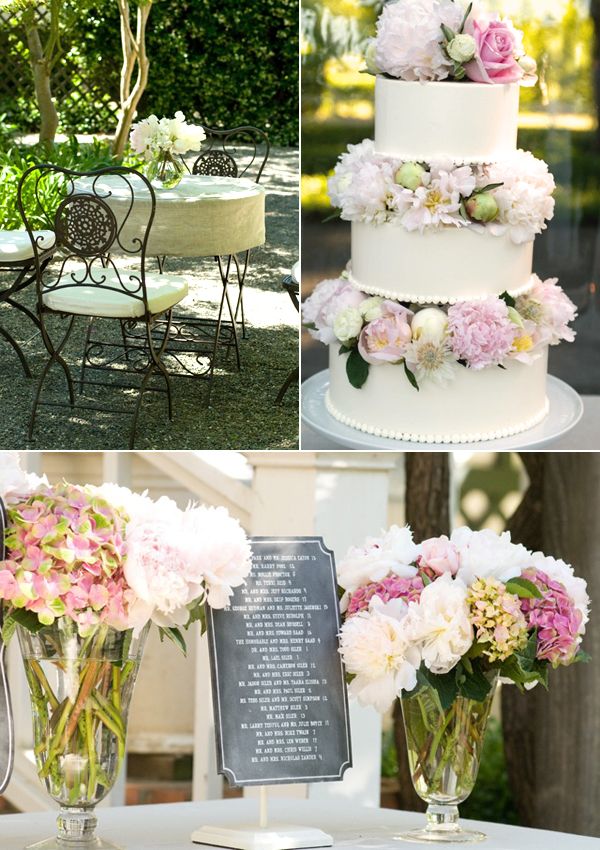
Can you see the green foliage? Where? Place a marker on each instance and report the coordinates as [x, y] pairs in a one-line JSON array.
[[15, 160], [223, 62], [357, 369]]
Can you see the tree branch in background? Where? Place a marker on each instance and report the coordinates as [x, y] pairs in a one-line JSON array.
[[43, 56], [428, 514], [134, 54], [553, 739]]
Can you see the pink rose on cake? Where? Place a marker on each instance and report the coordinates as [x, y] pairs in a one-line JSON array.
[[498, 46], [385, 339], [481, 332]]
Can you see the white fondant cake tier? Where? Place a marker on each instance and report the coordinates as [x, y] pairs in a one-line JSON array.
[[444, 266], [470, 122], [477, 405]]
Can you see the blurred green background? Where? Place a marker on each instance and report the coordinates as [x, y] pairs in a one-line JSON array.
[[558, 123]]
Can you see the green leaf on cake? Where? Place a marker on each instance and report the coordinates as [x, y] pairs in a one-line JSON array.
[[523, 588], [508, 299], [411, 377], [357, 369], [465, 18], [448, 33], [336, 214], [345, 349], [489, 188]]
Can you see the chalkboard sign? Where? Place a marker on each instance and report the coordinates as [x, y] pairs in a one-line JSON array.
[[281, 709]]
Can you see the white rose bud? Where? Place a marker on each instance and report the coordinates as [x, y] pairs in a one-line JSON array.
[[370, 57], [430, 322], [528, 64], [462, 48], [348, 324], [370, 308], [410, 175]]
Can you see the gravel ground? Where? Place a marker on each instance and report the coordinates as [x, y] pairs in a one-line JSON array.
[[242, 414]]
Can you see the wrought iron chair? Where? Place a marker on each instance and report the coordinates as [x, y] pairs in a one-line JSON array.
[[16, 258], [95, 215], [238, 152]]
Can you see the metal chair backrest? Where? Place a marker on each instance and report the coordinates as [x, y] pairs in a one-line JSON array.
[[239, 152], [93, 215]]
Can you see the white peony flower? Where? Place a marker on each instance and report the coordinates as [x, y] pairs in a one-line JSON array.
[[361, 184], [15, 483], [394, 553], [377, 651], [438, 201], [524, 199], [348, 324], [152, 136], [440, 625], [430, 322], [370, 308], [409, 38], [328, 299], [485, 554], [558, 570]]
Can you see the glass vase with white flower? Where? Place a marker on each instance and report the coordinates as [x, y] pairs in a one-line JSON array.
[[437, 625], [163, 142], [87, 570]]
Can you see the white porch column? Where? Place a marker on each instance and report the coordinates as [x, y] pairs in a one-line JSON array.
[[342, 496]]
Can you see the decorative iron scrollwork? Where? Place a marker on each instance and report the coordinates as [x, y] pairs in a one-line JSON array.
[[85, 225], [216, 164]]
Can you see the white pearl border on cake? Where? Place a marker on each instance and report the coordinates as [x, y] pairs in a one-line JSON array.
[[414, 298], [436, 438], [455, 160]]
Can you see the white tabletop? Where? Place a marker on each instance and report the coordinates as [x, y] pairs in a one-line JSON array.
[[585, 436], [168, 827], [193, 187]]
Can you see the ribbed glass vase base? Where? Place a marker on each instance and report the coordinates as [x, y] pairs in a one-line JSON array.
[[66, 844], [438, 836]]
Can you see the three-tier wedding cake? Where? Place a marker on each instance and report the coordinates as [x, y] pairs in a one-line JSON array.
[[438, 330]]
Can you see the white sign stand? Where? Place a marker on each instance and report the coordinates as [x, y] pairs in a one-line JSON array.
[[263, 837]]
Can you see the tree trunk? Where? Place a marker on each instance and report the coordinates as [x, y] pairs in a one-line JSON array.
[[43, 90], [553, 739], [428, 514], [134, 50]]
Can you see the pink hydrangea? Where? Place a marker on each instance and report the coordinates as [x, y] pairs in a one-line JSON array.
[[481, 332], [65, 550], [392, 587], [555, 617], [384, 340], [328, 299]]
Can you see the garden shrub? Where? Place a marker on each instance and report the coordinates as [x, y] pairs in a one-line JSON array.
[[222, 62]]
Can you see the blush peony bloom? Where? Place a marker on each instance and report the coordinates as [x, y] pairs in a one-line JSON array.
[[481, 332], [378, 652], [555, 616], [392, 587], [498, 45], [385, 339], [439, 624], [524, 199], [362, 184], [550, 309], [438, 201], [328, 299], [409, 36], [15, 483], [439, 555]]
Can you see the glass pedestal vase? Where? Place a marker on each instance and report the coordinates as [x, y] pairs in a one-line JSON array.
[[165, 170], [80, 689], [444, 748]]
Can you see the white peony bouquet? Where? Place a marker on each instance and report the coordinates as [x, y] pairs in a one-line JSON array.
[[453, 613], [153, 136]]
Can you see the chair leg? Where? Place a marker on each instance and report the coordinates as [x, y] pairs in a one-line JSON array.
[[161, 263], [85, 351], [291, 379], [142, 390], [55, 357], [18, 350]]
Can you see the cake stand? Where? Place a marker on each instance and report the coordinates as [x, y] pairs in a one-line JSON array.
[[566, 409]]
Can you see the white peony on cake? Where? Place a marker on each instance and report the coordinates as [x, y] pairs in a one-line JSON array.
[[438, 329]]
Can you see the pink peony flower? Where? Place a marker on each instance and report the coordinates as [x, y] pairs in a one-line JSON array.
[[329, 298], [385, 340], [481, 332], [555, 617], [498, 45], [550, 309], [439, 555], [392, 587]]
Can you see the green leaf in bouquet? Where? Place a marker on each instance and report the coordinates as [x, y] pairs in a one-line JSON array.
[[489, 188], [523, 588], [175, 636], [444, 684], [357, 369], [198, 615], [582, 656], [474, 685], [20, 617]]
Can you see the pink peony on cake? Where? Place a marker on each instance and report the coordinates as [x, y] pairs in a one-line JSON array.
[[438, 329]]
